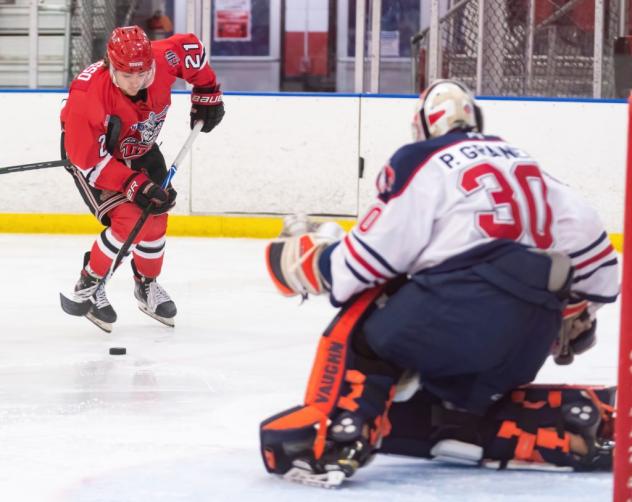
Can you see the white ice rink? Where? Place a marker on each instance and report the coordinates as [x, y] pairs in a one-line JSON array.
[[176, 419]]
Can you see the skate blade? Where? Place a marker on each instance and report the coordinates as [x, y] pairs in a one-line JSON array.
[[331, 479], [165, 320], [105, 326]]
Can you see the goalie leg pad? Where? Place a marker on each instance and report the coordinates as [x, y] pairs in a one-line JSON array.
[[344, 414], [531, 427], [583, 411]]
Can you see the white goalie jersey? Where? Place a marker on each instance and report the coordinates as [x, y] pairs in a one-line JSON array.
[[442, 197]]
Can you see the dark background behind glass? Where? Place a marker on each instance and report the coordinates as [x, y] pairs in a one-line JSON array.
[[402, 15], [259, 44]]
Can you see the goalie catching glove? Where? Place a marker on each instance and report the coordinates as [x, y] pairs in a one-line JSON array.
[[577, 335], [292, 259]]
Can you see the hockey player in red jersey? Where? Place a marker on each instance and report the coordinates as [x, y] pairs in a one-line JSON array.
[[470, 267], [114, 113]]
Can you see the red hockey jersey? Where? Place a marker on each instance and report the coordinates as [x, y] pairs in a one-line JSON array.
[[93, 98]]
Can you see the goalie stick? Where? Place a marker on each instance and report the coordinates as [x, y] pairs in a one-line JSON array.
[[80, 309]]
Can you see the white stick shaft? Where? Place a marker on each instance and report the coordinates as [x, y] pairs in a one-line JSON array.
[[182, 153]]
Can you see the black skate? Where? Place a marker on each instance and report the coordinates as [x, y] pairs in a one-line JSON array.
[[154, 301], [101, 312]]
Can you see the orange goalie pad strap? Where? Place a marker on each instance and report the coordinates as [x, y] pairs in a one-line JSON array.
[[299, 419], [383, 425], [328, 370], [554, 399], [545, 438], [508, 429], [605, 410], [548, 438], [525, 446], [356, 380]]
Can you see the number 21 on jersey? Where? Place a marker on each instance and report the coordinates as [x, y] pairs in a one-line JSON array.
[[504, 198]]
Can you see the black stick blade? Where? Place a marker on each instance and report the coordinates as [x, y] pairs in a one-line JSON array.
[[72, 307]]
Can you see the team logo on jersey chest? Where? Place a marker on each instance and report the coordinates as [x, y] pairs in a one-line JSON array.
[[385, 180], [142, 135]]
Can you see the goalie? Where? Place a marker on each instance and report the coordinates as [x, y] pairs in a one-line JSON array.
[[468, 270]]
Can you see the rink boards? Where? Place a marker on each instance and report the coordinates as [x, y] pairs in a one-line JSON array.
[[281, 153]]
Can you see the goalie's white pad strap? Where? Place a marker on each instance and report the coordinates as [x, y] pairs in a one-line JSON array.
[[454, 451], [406, 387]]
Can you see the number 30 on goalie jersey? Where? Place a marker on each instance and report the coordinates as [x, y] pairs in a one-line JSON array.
[[507, 203], [437, 199]]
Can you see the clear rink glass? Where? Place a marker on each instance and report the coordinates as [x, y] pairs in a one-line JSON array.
[[500, 48]]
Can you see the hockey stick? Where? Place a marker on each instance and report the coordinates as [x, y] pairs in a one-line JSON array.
[[37, 165], [111, 137], [82, 308]]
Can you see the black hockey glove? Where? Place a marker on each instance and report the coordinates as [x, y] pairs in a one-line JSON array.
[[142, 192], [207, 106]]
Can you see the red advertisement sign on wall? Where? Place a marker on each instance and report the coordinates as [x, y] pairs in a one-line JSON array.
[[233, 20]]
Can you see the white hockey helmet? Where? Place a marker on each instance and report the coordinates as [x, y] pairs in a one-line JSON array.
[[444, 106]]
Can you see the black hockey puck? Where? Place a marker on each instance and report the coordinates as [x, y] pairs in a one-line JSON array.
[[118, 351]]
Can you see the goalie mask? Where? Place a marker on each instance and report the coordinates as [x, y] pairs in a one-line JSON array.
[[443, 107]]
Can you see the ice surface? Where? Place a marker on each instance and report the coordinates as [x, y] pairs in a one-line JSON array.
[[176, 419]]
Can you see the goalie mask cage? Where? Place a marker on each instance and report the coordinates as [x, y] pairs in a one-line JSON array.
[[623, 433]]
